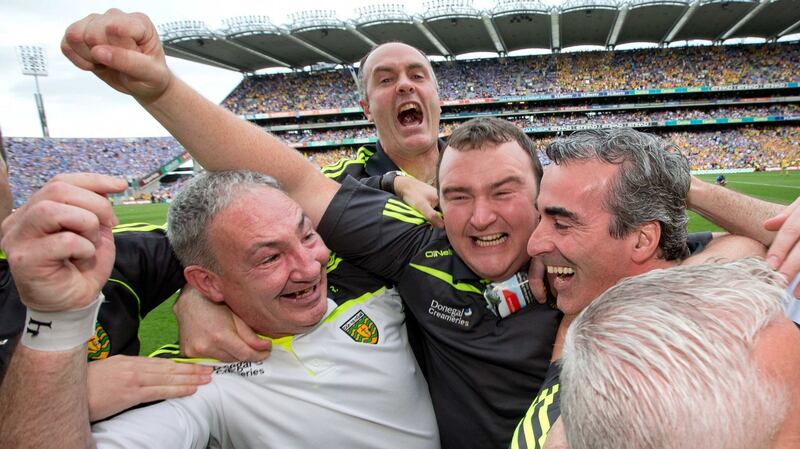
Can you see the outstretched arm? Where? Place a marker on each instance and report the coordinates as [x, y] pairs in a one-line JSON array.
[[60, 250], [124, 51], [774, 225], [738, 214]]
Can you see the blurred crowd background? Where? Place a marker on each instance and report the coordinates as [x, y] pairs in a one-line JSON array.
[[330, 136]]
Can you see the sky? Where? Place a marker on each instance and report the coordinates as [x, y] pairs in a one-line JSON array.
[[77, 104]]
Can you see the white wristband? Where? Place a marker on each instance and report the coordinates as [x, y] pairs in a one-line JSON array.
[[60, 331]]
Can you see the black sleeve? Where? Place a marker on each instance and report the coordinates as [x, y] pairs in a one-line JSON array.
[[374, 230], [697, 241], [12, 316], [146, 263], [372, 181]]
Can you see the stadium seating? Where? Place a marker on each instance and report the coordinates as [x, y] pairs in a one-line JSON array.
[[33, 161], [550, 74], [549, 120], [297, 95]]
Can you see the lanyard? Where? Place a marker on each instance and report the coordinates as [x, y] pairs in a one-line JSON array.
[[791, 305]]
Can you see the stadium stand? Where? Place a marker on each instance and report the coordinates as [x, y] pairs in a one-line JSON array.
[[747, 147], [566, 73], [555, 119], [727, 107], [33, 161]]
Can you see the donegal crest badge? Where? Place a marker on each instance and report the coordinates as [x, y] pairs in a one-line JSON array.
[[99, 344], [361, 328]]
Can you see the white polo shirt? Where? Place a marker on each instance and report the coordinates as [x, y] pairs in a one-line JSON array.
[[351, 382]]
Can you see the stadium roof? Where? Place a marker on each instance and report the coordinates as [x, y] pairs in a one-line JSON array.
[[453, 27]]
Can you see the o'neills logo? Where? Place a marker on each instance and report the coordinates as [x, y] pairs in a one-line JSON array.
[[455, 315]]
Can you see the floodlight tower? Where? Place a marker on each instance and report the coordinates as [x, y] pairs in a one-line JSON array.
[[33, 62]]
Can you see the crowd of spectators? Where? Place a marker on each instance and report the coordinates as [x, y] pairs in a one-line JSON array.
[[33, 161], [747, 147], [609, 103], [317, 135], [165, 192], [544, 74], [728, 148], [328, 156], [298, 91], [577, 118], [612, 117]]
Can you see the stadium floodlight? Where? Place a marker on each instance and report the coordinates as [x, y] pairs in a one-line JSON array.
[[33, 61]]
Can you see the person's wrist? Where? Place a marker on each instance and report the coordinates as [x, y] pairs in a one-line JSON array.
[[387, 181], [60, 331], [161, 100]]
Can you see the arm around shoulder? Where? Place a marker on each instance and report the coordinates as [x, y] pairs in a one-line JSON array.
[[737, 213]]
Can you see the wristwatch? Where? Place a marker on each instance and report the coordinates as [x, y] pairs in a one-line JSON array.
[[387, 180]]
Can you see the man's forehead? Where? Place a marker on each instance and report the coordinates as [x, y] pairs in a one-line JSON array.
[[266, 220], [585, 177], [462, 174], [392, 54], [579, 191], [257, 204], [485, 154]]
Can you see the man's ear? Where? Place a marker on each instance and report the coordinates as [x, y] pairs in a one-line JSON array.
[[206, 282], [365, 107], [645, 242]]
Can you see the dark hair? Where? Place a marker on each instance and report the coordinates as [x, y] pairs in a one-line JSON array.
[[482, 131], [652, 184]]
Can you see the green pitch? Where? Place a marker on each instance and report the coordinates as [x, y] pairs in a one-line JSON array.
[[159, 326], [769, 186], [142, 213]]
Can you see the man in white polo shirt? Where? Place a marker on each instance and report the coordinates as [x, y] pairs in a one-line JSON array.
[[340, 375]]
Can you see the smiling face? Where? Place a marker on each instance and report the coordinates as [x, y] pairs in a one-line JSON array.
[[487, 198], [573, 239], [402, 99], [271, 264]]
